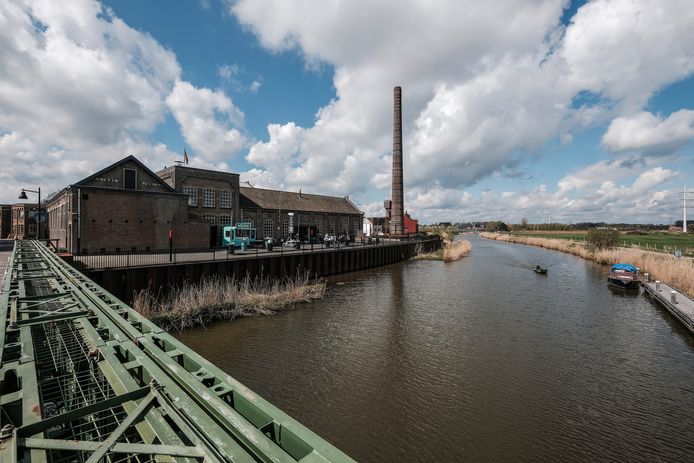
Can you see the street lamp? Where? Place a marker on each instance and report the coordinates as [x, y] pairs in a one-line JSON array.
[[23, 195]]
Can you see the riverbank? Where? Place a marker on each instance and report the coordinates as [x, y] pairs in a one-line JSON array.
[[676, 272], [225, 299], [450, 252]]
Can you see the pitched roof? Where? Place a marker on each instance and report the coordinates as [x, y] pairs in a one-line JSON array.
[[292, 201], [123, 161]]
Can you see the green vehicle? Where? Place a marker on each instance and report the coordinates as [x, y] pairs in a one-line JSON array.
[[242, 235]]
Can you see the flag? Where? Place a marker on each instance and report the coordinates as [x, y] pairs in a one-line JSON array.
[[185, 156]]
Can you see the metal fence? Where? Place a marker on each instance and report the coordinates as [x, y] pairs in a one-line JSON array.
[[143, 258]]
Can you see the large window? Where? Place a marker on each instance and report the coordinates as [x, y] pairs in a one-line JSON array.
[[207, 197], [285, 227], [192, 193], [225, 199], [331, 227], [268, 228], [210, 218], [344, 222], [319, 227]]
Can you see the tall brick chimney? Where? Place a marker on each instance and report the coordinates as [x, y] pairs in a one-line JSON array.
[[396, 215]]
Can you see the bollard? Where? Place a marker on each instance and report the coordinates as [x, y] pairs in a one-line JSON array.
[[657, 285], [673, 297]]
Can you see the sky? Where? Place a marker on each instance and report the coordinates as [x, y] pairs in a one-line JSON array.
[[512, 109]]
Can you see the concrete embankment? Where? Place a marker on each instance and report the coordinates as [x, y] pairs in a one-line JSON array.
[[676, 272], [124, 282]]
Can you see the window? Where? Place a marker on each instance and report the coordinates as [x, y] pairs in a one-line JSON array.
[[355, 225], [331, 227], [318, 226], [268, 228], [209, 218], [207, 197], [285, 227], [225, 199], [224, 221], [192, 193], [344, 222], [130, 179]]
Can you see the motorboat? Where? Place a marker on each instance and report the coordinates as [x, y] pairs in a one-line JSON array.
[[624, 276]]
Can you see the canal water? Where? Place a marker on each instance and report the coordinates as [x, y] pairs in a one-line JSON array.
[[476, 360]]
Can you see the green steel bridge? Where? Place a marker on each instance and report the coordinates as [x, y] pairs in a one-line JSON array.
[[85, 378]]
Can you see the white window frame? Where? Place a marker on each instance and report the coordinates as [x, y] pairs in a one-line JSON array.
[[285, 227], [226, 199], [224, 221], [268, 228], [208, 197], [192, 193], [331, 227]]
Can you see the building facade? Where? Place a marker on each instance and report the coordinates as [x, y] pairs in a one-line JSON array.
[[23, 222], [5, 220], [312, 215], [124, 207], [213, 196]]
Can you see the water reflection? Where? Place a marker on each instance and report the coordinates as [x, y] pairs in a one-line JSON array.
[[478, 360]]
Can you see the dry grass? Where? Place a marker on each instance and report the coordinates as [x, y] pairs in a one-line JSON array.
[[456, 250], [676, 272], [225, 299], [451, 251]]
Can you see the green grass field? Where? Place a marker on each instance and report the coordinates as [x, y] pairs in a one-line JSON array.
[[656, 240]]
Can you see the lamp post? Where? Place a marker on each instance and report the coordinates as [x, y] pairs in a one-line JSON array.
[[23, 195]]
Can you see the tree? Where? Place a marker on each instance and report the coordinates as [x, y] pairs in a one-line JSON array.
[[602, 238], [524, 222]]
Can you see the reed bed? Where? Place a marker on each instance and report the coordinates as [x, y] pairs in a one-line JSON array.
[[225, 299], [676, 272], [456, 250], [451, 251]]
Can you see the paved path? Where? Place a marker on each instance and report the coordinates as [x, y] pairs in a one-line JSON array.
[[682, 309], [100, 261]]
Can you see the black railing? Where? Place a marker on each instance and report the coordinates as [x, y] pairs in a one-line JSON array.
[[142, 258]]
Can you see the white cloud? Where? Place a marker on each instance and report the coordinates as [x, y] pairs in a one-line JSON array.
[[647, 132], [255, 86], [485, 85], [209, 121]]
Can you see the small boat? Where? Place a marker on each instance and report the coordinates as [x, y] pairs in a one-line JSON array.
[[540, 270], [624, 276]]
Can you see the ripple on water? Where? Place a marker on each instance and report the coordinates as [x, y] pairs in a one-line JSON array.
[[477, 360]]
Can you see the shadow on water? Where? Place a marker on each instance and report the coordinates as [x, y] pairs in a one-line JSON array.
[[476, 360]]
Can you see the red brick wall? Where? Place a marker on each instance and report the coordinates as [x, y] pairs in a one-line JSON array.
[[126, 220]]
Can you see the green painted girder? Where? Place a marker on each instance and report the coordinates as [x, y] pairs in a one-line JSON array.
[[191, 410]]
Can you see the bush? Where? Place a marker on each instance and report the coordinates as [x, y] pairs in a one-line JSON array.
[[602, 238]]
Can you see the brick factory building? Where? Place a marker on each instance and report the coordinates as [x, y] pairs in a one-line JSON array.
[[213, 196], [313, 214], [125, 206]]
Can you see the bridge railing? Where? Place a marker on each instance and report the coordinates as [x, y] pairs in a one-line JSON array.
[[86, 378]]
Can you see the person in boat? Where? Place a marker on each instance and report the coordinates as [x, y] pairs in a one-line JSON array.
[[538, 267]]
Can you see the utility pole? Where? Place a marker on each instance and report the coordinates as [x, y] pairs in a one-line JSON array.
[[684, 209]]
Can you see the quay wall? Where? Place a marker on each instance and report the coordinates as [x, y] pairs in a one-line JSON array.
[[125, 282]]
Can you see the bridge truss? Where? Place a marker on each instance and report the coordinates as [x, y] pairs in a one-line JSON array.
[[84, 378]]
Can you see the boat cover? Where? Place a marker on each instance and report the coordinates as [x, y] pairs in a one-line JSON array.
[[625, 267]]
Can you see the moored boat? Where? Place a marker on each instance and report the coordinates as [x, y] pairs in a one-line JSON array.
[[540, 270], [624, 276]]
